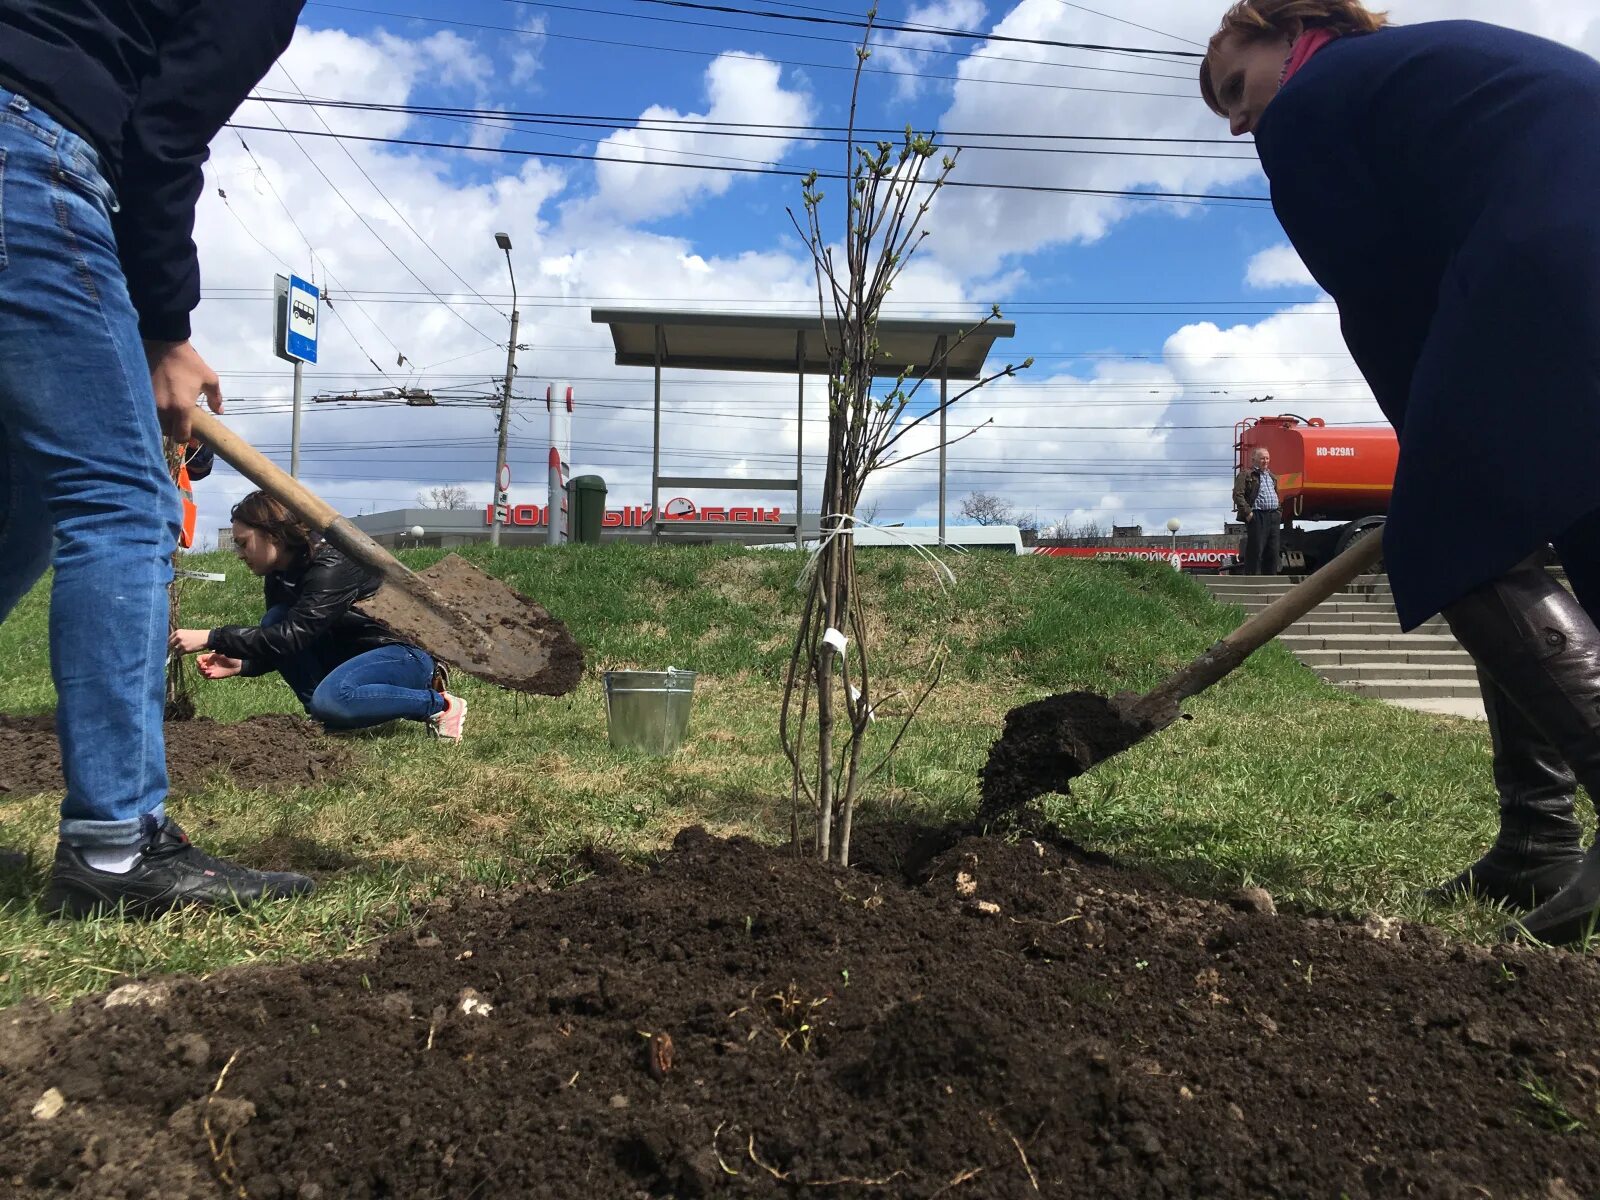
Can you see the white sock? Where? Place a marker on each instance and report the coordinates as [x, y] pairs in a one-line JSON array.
[[115, 860]]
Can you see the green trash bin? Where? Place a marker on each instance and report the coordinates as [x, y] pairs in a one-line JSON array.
[[588, 495]]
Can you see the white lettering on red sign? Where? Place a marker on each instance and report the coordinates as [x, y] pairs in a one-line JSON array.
[[637, 516], [1336, 451]]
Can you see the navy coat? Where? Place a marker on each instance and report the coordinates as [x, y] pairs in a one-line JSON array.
[[1442, 183]]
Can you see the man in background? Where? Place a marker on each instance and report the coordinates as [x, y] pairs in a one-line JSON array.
[[106, 112], [1255, 500]]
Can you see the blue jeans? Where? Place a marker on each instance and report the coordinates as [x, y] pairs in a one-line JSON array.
[[82, 477], [387, 684]]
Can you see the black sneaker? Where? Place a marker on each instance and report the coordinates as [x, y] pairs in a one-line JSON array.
[[170, 874]]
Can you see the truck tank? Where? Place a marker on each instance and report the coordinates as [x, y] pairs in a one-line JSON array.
[[1341, 473]]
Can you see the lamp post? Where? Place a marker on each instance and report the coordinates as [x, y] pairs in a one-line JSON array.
[[1172, 528], [501, 498]]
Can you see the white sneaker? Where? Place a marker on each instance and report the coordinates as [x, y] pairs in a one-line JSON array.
[[450, 723]]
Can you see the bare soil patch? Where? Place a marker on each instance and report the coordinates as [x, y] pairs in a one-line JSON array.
[[1012, 1018], [274, 752]]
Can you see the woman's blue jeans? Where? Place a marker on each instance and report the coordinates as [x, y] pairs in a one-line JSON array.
[[387, 684], [83, 482]]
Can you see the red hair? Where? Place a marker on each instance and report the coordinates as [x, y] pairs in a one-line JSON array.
[[1259, 20]]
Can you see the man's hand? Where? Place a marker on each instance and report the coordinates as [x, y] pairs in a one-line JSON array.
[[189, 641], [180, 376], [1248, 517], [218, 666]]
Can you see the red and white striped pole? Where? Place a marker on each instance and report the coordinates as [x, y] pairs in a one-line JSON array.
[[558, 523]]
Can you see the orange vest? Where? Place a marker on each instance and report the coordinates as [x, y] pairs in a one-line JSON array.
[[190, 513]]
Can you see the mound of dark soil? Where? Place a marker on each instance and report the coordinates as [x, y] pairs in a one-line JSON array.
[[736, 1022], [272, 752]]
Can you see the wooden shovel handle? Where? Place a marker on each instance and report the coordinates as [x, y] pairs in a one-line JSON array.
[[1160, 703], [316, 512]]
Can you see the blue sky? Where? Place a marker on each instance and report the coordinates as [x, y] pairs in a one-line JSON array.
[[1152, 324]]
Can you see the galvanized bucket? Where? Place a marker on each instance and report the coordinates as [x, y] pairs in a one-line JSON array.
[[648, 710]]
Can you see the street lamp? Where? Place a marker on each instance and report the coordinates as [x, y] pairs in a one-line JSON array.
[[501, 480], [1172, 527]]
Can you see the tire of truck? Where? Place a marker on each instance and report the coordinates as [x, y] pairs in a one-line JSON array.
[[1354, 530]]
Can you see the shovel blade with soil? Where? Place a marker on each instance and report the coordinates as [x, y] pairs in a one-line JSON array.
[[454, 611], [1048, 743], [509, 639]]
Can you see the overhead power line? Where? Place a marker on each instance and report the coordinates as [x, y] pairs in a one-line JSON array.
[[508, 121], [427, 243], [1207, 198], [656, 48], [1095, 12], [799, 131], [294, 136], [887, 26], [856, 42]]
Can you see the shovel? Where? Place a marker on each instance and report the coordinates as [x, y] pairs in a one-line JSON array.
[[452, 610], [1050, 742]]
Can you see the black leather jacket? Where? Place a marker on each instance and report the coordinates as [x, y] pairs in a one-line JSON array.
[[319, 592]]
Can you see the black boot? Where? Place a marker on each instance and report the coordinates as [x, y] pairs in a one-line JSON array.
[[1542, 650], [170, 873], [1538, 849]]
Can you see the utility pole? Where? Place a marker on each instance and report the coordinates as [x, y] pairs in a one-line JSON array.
[[501, 480]]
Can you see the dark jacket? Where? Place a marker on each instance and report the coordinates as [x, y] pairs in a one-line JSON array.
[[1246, 487], [1441, 182], [319, 592], [148, 83]]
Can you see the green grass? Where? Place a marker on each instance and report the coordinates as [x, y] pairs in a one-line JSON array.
[[1279, 780]]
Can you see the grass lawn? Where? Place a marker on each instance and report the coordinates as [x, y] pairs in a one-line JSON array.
[[1280, 780]]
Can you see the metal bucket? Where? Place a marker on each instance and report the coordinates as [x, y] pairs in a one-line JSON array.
[[648, 710]]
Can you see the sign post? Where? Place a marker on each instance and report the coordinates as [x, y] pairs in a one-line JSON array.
[[295, 341]]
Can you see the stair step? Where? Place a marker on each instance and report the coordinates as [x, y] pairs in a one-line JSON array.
[[1413, 689], [1388, 671], [1318, 659], [1297, 642], [1316, 626]]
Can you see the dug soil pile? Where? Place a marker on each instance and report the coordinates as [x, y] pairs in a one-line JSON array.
[[1020, 1020], [272, 752]]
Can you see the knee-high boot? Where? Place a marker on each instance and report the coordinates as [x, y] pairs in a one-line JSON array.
[[1542, 651], [1538, 848]]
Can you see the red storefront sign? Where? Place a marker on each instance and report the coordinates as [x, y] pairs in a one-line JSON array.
[[1189, 557], [637, 516]]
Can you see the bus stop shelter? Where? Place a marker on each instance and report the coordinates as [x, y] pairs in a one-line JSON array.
[[692, 340]]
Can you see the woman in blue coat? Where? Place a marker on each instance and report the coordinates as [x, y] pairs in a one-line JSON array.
[[1442, 183]]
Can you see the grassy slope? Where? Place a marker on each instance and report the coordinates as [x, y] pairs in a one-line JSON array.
[[1279, 779]]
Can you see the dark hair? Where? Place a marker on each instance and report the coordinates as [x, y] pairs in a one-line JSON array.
[[260, 511], [1256, 20]]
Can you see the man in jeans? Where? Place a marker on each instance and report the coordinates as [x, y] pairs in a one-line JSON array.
[[1255, 500], [106, 112]]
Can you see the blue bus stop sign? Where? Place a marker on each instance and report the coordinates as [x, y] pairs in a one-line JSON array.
[[300, 325]]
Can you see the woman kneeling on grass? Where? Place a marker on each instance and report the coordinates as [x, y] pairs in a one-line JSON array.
[[348, 670]]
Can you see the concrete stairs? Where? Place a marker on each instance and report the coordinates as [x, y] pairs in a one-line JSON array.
[[1353, 640]]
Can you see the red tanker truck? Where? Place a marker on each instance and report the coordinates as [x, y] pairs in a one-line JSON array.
[[1325, 473]]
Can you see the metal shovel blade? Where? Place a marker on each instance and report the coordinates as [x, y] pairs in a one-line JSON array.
[[480, 626]]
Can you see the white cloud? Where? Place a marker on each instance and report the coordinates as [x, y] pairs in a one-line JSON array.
[[1278, 267], [994, 225], [527, 60], [740, 88], [897, 51]]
